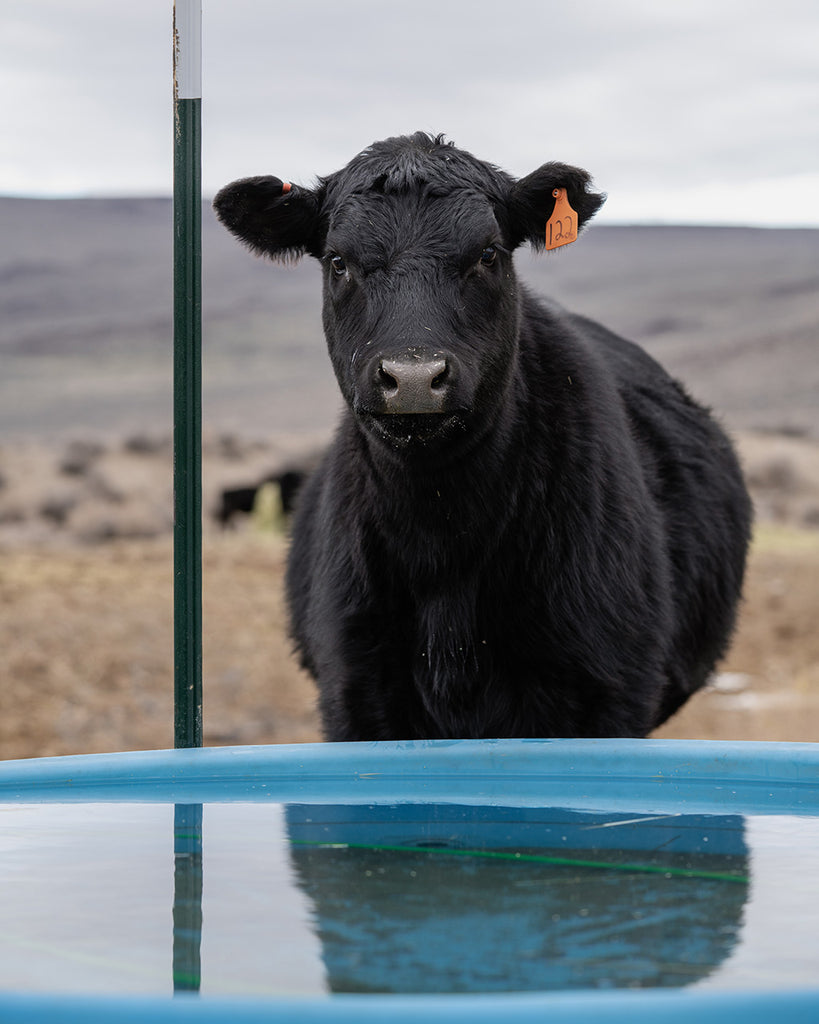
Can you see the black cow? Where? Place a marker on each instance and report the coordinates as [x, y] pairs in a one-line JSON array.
[[524, 526], [237, 500]]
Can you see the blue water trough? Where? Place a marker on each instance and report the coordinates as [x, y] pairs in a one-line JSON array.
[[565, 880]]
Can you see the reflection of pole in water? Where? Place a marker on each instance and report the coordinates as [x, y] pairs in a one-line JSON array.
[[187, 897]]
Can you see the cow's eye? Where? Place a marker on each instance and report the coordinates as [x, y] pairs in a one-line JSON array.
[[488, 256], [338, 265]]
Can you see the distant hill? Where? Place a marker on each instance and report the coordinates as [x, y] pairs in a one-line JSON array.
[[86, 319]]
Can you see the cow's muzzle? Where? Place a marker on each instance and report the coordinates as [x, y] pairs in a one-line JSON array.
[[413, 385]]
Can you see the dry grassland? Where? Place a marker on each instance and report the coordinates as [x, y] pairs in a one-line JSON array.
[[87, 641]]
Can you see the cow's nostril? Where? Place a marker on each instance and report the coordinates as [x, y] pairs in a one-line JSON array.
[[388, 383], [439, 381]]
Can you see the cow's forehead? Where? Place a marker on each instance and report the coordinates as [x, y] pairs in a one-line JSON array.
[[375, 227], [413, 193]]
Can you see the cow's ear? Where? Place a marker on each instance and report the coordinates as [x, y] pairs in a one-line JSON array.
[[272, 217], [532, 201]]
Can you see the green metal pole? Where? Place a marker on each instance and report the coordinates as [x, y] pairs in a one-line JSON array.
[[187, 374]]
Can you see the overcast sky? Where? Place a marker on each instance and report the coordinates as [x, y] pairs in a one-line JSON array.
[[700, 111]]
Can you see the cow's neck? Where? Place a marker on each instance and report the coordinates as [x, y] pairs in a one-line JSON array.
[[448, 515]]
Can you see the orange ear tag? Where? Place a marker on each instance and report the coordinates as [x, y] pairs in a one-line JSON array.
[[561, 228]]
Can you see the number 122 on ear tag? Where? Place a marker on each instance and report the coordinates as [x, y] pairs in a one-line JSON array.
[[561, 228]]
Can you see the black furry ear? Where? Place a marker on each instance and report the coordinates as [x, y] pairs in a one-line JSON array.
[[532, 200], [272, 217]]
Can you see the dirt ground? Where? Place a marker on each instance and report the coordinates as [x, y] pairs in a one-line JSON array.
[[86, 627]]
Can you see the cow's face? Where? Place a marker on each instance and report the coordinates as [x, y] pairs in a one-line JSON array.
[[420, 311], [421, 307]]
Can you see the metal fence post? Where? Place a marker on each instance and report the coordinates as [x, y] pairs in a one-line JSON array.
[[187, 202]]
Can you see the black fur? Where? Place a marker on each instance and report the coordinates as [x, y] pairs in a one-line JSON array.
[[560, 550]]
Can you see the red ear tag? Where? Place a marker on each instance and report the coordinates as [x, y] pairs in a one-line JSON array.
[[561, 228], [286, 186]]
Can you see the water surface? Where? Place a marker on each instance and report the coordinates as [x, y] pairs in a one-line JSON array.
[[260, 898]]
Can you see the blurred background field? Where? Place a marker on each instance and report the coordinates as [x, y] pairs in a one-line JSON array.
[[86, 462]]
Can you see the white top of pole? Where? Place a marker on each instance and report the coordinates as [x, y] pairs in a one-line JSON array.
[[187, 49]]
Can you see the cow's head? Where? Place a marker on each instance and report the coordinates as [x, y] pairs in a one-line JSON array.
[[421, 303]]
